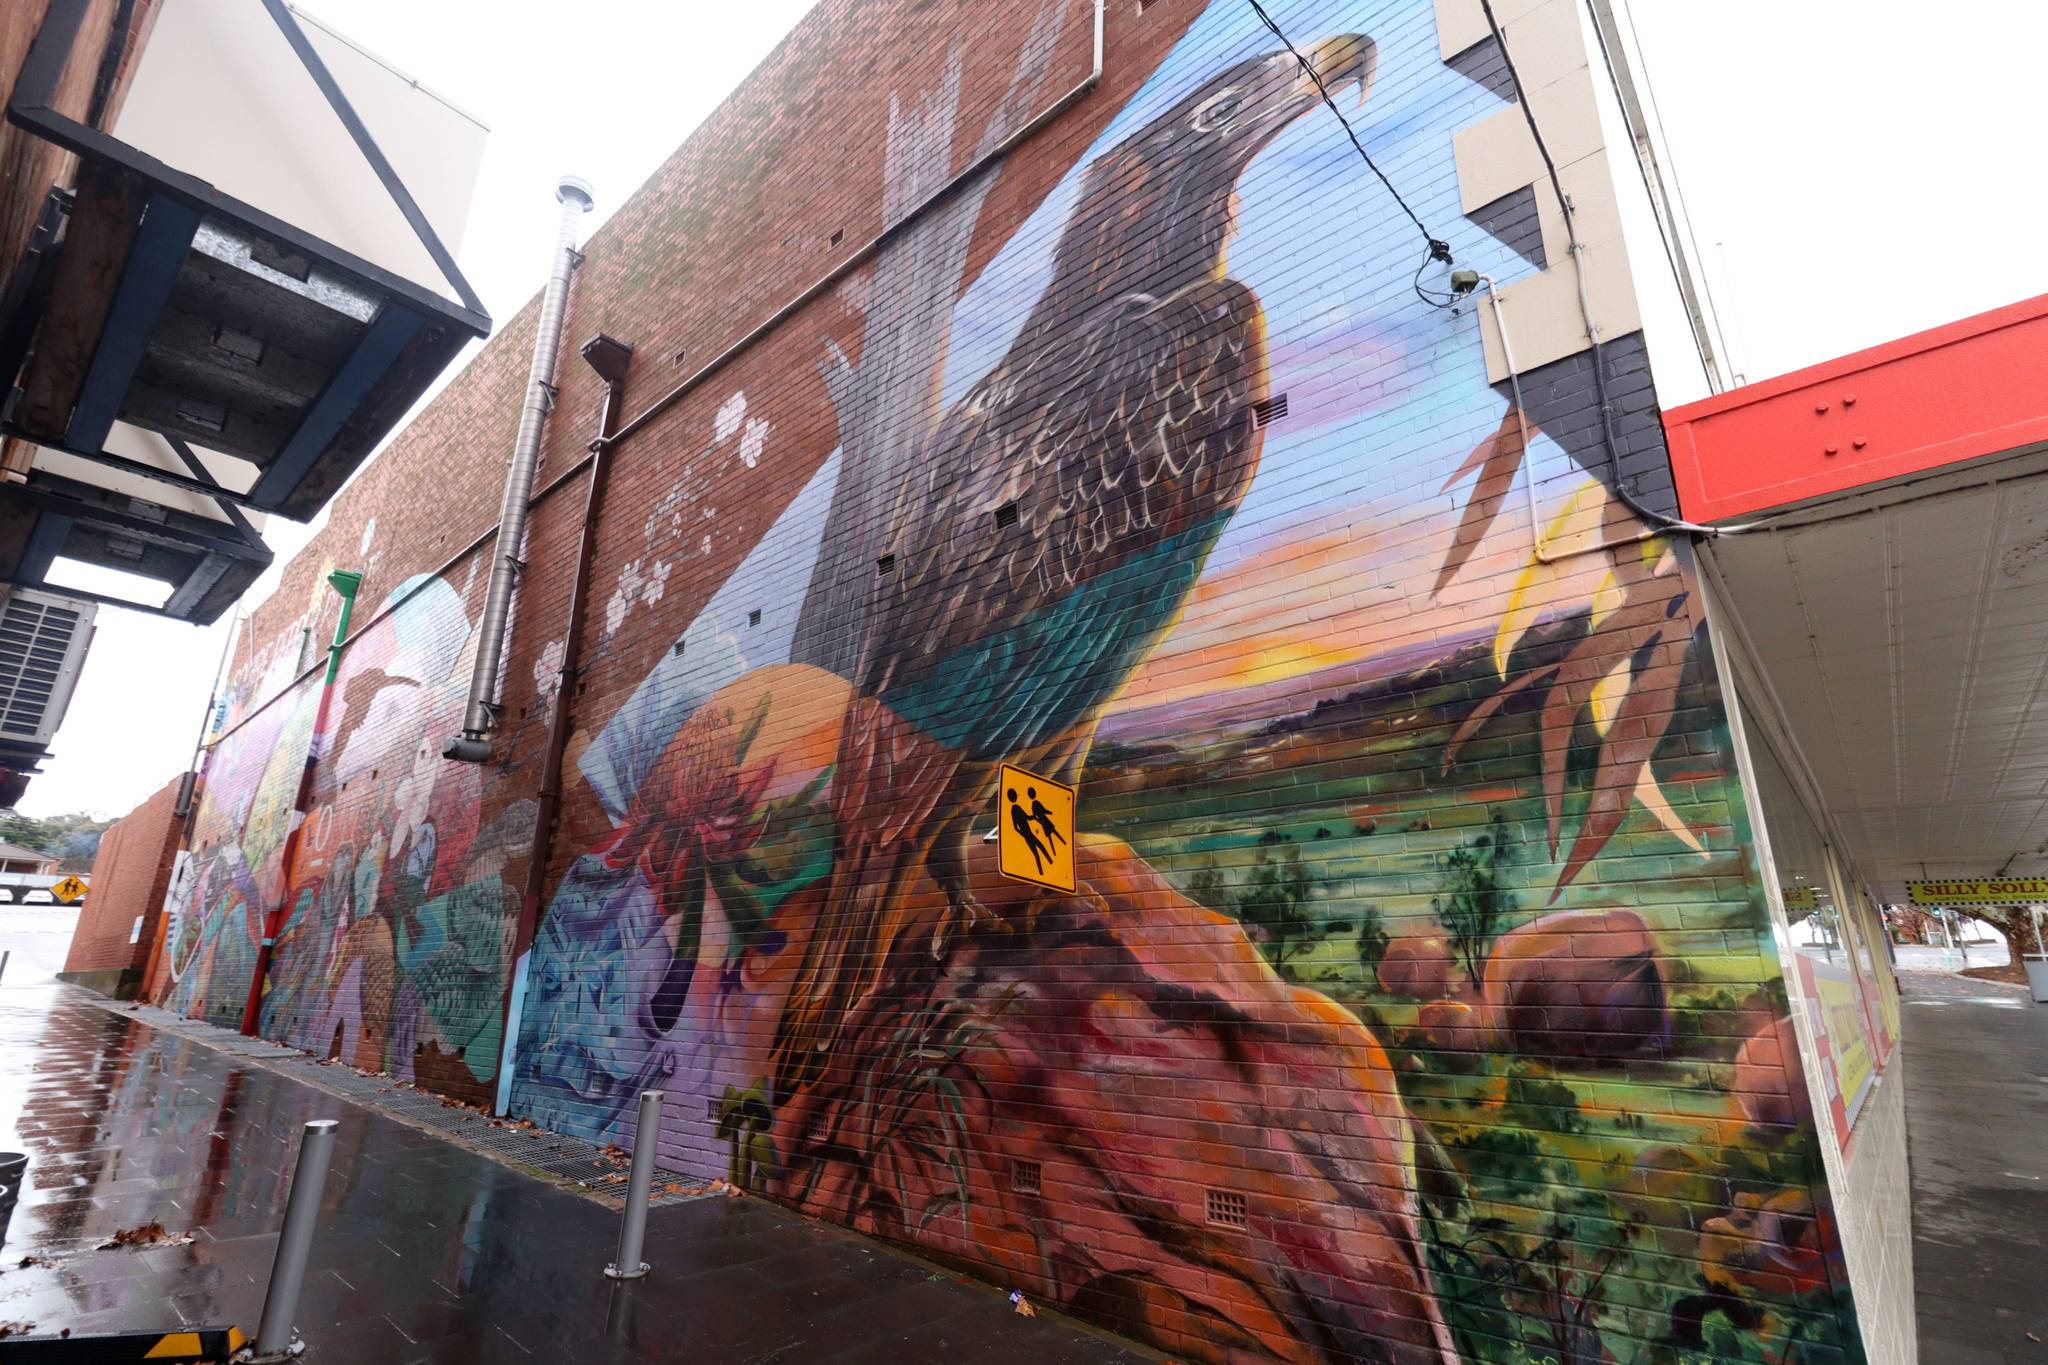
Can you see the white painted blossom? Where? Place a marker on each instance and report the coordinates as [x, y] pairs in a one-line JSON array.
[[631, 584], [705, 548], [730, 414], [547, 669], [751, 443], [655, 583]]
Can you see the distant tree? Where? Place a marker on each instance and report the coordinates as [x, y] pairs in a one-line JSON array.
[[26, 832], [1474, 902], [77, 851], [73, 839], [1208, 887], [1276, 898], [1372, 940]]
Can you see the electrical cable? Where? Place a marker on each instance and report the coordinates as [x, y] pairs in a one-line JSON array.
[[1438, 248], [1578, 249]]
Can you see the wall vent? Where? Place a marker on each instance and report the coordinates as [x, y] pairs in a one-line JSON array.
[[43, 639], [838, 236], [1270, 410], [677, 651], [1026, 1177], [886, 565], [1006, 515], [1227, 1209], [754, 617]]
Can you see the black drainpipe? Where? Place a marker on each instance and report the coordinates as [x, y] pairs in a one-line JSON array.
[[611, 358]]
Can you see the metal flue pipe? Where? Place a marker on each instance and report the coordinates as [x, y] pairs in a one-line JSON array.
[[479, 716]]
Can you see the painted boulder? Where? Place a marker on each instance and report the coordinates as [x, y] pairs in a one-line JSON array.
[[1775, 1246], [1579, 985], [1447, 1026], [1419, 968], [1065, 1100], [1768, 1082]]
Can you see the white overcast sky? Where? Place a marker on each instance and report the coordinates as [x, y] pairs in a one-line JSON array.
[[1853, 171]]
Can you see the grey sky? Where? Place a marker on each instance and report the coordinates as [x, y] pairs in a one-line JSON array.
[[1850, 172]]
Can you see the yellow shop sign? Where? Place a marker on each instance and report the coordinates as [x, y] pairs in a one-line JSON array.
[[1982, 891]]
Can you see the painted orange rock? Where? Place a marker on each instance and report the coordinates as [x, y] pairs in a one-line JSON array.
[[1768, 1082], [1579, 984], [1447, 1026], [1775, 1246], [1111, 1102], [1416, 967]]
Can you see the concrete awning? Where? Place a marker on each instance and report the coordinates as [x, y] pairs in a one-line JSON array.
[[1892, 583]]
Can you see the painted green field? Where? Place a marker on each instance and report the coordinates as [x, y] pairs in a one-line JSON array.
[[1624, 1210]]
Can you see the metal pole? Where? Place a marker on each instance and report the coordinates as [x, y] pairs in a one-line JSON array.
[[633, 1233], [4, 955], [301, 1213]]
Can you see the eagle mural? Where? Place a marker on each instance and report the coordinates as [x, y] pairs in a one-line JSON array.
[[1308, 1067], [1058, 518]]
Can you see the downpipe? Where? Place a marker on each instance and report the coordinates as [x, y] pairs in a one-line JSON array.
[[611, 359], [480, 713]]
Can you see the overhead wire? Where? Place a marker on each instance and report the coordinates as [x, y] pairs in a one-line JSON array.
[[1578, 255], [1438, 248]]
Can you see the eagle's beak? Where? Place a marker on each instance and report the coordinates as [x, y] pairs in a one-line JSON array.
[[1346, 59]]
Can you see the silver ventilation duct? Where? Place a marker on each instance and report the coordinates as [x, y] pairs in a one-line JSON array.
[[479, 717]]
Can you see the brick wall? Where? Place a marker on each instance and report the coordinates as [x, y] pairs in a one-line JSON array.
[[1416, 1001], [109, 951]]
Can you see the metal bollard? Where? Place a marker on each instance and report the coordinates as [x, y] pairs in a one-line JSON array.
[[301, 1212], [633, 1233]]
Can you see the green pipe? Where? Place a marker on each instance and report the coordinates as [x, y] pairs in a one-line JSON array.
[[344, 582]]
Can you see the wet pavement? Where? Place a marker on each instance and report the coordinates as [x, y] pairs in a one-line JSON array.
[[426, 1251], [1976, 1111]]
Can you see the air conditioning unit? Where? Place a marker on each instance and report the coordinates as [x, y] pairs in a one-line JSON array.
[[43, 639]]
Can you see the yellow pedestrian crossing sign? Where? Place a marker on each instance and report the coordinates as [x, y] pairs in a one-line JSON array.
[[68, 890], [1035, 829]]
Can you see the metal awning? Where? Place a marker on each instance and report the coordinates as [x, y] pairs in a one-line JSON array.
[[1895, 593], [184, 358]]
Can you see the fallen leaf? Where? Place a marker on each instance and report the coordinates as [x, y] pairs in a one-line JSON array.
[[16, 1329], [1022, 1304], [147, 1235], [2032, 1337]]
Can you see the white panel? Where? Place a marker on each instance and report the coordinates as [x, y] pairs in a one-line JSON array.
[[219, 93]]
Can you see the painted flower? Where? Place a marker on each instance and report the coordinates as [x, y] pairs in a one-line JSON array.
[[751, 443], [730, 414]]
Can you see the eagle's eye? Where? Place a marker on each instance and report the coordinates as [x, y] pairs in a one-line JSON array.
[[1218, 110]]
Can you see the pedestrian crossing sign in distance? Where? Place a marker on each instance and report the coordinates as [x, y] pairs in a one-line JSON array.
[[68, 890], [1035, 829]]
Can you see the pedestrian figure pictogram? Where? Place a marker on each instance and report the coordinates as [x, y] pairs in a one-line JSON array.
[[1035, 829]]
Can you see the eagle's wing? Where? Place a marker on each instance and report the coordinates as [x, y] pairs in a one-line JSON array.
[[1107, 440]]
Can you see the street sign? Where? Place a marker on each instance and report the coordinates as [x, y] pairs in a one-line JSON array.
[[1035, 829], [1800, 898], [1983, 891], [68, 890]]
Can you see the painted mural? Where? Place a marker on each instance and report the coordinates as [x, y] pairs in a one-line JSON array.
[[397, 916], [1416, 1003]]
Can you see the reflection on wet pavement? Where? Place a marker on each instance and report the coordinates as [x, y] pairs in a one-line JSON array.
[[426, 1251]]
